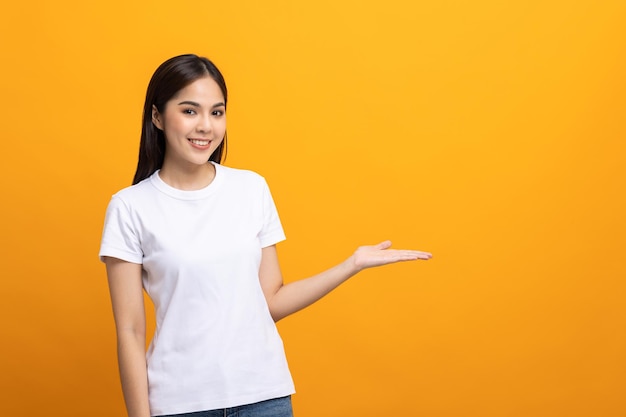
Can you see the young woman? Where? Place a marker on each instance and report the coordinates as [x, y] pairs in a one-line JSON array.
[[200, 239]]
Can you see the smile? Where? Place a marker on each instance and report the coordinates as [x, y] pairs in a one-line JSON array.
[[199, 142]]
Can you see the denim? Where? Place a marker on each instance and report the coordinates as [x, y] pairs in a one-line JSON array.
[[278, 407]]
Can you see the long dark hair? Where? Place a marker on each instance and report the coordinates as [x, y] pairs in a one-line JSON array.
[[172, 76]]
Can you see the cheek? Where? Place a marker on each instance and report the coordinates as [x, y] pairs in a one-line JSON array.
[[175, 126], [222, 126]]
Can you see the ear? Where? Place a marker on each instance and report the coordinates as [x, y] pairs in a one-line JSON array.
[[156, 118]]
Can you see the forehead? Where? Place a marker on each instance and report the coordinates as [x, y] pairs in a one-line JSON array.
[[204, 91]]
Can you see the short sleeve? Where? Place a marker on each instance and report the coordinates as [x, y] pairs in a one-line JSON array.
[[120, 238], [272, 231]]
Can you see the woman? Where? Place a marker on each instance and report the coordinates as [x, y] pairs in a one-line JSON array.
[[200, 239]]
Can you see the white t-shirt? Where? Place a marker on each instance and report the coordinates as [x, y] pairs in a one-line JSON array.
[[215, 343]]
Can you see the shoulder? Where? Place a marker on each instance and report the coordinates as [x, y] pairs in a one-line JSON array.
[[241, 176], [238, 173], [134, 193]]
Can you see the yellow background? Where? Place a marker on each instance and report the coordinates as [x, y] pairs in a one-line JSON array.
[[489, 132]]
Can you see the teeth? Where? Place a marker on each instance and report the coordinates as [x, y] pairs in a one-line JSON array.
[[199, 142]]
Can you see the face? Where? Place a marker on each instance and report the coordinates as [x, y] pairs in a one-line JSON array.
[[193, 122]]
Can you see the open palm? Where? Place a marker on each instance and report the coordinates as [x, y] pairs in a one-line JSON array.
[[377, 255]]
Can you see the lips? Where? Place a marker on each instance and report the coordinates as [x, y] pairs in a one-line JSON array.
[[200, 142]]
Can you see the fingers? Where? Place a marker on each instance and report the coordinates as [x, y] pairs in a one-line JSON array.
[[411, 255], [405, 254], [384, 245], [424, 255], [378, 255]]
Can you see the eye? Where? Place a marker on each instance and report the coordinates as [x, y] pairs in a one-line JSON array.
[[189, 111], [218, 113]]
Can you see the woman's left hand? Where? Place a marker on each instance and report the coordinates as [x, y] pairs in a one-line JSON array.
[[378, 255]]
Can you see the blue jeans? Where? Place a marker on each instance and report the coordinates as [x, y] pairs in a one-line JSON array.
[[278, 407]]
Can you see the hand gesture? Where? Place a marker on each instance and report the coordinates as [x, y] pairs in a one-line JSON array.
[[378, 255]]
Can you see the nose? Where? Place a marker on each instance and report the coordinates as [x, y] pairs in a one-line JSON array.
[[204, 123]]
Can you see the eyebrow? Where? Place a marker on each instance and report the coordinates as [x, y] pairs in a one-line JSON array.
[[194, 104]]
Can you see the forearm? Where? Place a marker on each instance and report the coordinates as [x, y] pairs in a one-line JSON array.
[[284, 300], [297, 295], [133, 373]]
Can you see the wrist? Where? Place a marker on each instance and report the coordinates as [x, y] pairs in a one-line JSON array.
[[351, 266]]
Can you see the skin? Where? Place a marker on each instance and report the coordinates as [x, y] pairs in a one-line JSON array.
[[197, 112]]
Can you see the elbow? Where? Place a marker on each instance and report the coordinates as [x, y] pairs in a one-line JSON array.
[[131, 335], [278, 317], [276, 313]]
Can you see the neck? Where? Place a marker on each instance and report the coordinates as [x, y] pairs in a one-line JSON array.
[[188, 178]]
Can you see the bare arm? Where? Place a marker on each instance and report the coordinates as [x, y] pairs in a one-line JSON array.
[[284, 300], [130, 323]]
